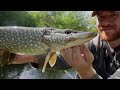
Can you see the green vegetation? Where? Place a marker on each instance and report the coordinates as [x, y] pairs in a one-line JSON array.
[[77, 20], [16, 18]]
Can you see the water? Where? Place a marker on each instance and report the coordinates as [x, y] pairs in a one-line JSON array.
[[26, 71]]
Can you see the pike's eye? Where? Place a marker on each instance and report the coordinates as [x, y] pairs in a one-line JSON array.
[[68, 32]]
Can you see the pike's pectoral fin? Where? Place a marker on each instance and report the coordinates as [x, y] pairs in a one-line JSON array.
[[46, 61], [53, 59]]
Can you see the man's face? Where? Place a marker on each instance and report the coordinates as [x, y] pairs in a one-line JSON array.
[[108, 23]]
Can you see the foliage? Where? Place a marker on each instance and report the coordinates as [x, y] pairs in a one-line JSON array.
[[16, 18], [76, 20]]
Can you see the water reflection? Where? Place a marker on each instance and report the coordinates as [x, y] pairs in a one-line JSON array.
[[25, 71]]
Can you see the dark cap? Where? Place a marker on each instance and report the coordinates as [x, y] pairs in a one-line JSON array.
[[98, 12], [94, 13]]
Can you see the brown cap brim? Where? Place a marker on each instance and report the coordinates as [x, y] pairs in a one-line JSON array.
[[97, 12], [94, 13]]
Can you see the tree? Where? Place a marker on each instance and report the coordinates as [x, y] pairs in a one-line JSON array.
[[16, 18]]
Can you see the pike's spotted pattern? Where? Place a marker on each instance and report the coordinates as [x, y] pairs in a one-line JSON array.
[[32, 41]]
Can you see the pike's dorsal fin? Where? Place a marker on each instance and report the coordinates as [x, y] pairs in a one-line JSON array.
[[53, 59]]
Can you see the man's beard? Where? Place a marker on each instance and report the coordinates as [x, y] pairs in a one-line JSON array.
[[113, 37], [109, 38]]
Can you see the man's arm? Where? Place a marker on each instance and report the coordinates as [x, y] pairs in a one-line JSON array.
[[36, 61]]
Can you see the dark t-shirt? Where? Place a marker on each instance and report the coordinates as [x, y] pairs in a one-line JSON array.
[[105, 62]]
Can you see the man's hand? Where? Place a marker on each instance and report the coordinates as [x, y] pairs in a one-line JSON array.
[[17, 59], [81, 59]]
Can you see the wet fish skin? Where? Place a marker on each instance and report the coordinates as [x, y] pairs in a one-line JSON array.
[[34, 41]]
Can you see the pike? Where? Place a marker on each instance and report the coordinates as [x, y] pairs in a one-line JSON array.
[[41, 40]]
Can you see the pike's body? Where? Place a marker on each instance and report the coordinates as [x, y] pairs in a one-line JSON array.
[[33, 41]]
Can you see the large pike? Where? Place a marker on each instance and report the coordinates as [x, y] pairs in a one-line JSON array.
[[41, 40]]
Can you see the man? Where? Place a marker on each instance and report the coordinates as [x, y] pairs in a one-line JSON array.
[[103, 56]]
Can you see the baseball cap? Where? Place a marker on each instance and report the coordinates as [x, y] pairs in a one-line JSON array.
[[96, 12]]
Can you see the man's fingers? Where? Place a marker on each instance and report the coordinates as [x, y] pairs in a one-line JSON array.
[[77, 56], [67, 54], [87, 54]]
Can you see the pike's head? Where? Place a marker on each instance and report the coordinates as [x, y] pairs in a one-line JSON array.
[[58, 40]]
